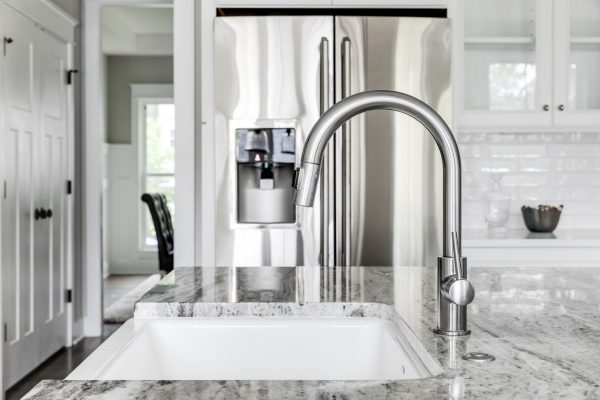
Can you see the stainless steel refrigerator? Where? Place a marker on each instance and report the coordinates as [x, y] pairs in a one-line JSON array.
[[380, 195]]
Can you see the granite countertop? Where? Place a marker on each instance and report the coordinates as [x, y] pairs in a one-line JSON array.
[[541, 324]]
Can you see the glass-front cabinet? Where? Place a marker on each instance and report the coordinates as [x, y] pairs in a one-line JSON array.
[[526, 63], [577, 62]]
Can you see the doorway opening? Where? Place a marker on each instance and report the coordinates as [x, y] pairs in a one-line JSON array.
[[138, 149]]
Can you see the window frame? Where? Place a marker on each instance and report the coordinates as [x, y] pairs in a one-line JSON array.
[[141, 96]]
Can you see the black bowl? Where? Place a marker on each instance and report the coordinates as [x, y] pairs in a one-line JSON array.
[[543, 219]]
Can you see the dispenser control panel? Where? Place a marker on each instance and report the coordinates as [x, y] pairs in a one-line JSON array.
[[265, 159]]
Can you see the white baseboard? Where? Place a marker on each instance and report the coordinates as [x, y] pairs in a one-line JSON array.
[[133, 268]]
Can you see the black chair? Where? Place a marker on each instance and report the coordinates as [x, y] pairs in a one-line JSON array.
[[161, 216]]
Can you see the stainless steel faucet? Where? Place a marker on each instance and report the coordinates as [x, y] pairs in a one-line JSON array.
[[454, 290]]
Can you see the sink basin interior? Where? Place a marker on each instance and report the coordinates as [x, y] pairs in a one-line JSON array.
[[259, 349]]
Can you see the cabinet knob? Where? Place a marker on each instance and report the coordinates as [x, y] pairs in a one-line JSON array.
[[561, 107], [546, 107], [40, 213]]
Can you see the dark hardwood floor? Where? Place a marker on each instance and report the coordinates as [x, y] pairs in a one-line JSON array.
[[67, 359], [60, 364]]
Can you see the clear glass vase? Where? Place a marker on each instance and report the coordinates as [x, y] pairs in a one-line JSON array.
[[496, 205]]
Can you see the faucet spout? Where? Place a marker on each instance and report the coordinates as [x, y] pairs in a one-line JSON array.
[[451, 315]]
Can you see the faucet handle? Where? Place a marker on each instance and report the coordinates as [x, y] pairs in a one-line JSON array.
[[458, 291], [456, 287]]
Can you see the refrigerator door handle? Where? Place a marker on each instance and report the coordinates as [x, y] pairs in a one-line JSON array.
[[346, 156], [324, 75], [327, 205]]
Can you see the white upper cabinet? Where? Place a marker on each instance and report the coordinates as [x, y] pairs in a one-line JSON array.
[[272, 3], [503, 63], [527, 64], [577, 62], [391, 3], [335, 3]]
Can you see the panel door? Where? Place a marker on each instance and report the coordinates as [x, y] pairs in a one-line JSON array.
[[34, 156], [51, 180], [391, 168], [19, 132]]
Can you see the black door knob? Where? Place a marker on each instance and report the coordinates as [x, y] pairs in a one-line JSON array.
[[40, 213], [49, 213]]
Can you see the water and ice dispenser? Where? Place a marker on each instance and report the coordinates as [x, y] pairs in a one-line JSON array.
[[265, 160]]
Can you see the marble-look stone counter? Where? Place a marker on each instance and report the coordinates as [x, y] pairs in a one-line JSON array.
[[541, 324]]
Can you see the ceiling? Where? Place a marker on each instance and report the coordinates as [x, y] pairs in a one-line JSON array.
[[137, 30]]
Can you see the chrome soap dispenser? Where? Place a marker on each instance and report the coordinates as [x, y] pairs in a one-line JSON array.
[[265, 168]]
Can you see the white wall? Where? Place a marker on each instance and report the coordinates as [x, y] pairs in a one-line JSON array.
[[122, 201], [548, 168]]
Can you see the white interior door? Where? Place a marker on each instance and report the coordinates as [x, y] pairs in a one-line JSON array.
[[52, 175], [34, 155], [20, 131]]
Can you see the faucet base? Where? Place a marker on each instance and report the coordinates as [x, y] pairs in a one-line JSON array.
[[452, 318], [441, 332]]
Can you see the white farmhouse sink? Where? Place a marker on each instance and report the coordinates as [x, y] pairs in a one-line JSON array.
[[297, 348]]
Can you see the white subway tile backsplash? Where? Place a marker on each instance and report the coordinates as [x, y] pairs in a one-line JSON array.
[[575, 150], [576, 179], [544, 194], [583, 208], [490, 165], [517, 150], [587, 222], [577, 164], [503, 137], [536, 164], [472, 137], [524, 180], [474, 150], [546, 167]]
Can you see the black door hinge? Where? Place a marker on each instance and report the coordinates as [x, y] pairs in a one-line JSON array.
[[5, 332], [69, 295], [69, 187], [6, 42], [70, 73]]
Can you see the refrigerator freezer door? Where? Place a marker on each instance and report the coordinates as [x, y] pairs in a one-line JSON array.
[[389, 169], [270, 72]]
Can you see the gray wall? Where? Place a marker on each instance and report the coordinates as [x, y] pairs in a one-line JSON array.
[[121, 72], [72, 7]]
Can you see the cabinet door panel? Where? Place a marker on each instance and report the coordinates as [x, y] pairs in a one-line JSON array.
[[503, 59], [577, 63]]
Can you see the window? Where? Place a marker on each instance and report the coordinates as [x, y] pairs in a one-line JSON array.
[[157, 134]]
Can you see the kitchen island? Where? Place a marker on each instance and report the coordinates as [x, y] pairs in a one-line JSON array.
[[541, 324]]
